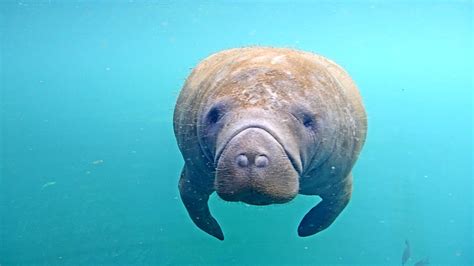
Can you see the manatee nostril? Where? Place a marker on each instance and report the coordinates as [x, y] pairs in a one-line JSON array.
[[242, 160], [261, 161]]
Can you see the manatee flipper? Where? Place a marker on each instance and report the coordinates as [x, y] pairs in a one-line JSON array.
[[325, 212], [195, 199]]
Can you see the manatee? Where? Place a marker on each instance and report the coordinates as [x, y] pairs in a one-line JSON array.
[[261, 125]]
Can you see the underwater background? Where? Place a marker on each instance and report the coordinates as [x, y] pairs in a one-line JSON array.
[[90, 166]]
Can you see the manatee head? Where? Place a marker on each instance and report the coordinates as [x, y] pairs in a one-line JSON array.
[[258, 129]]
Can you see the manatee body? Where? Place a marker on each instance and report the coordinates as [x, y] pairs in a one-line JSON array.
[[261, 125]]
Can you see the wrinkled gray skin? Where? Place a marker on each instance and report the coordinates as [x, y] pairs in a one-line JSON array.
[[261, 125]]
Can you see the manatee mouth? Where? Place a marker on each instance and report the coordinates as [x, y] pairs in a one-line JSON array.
[[253, 197], [275, 136]]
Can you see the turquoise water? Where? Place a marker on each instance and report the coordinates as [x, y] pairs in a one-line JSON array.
[[89, 163]]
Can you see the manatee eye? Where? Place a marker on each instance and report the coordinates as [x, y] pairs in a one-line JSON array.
[[215, 114], [308, 121], [306, 118]]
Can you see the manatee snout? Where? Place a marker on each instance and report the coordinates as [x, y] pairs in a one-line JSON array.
[[254, 168]]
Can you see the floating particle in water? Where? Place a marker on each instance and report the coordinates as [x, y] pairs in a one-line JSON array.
[[96, 162], [48, 184]]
